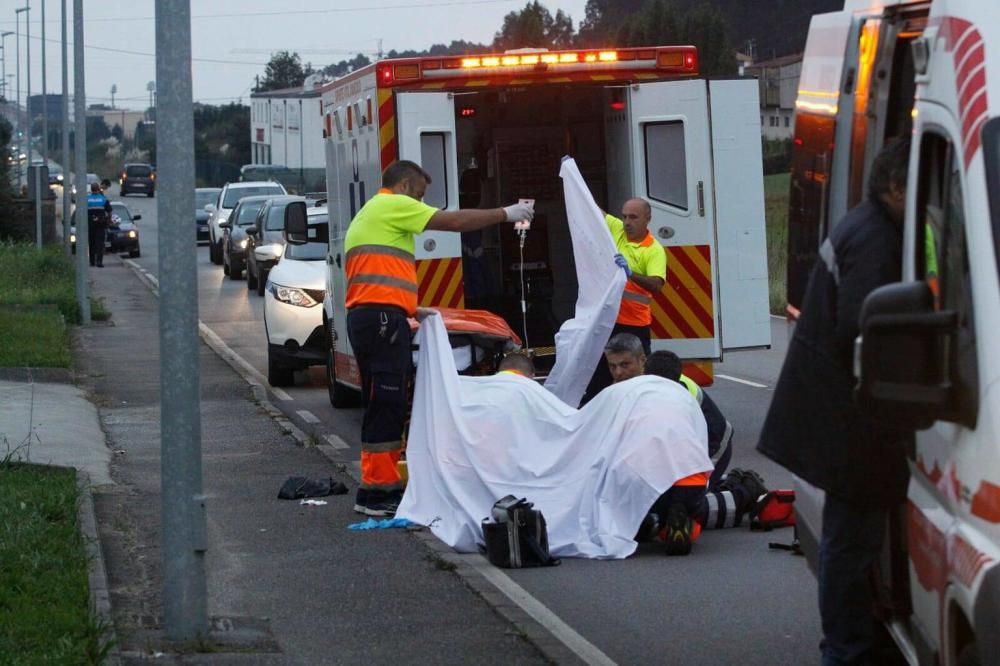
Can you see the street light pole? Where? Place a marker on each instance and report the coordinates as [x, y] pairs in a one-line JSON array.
[[27, 72], [80, 114], [3, 47], [45, 100], [17, 109], [185, 607], [65, 138]]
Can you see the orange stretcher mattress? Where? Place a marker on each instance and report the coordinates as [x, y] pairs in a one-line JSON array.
[[474, 322]]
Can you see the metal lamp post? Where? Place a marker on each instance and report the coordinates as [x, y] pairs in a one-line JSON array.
[[3, 47], [65, 139], [17, 108]]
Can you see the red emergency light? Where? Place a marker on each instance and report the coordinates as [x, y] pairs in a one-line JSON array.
[[677, 60]]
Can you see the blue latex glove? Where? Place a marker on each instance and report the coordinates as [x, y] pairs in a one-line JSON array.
[[384, 524], [622, 263]]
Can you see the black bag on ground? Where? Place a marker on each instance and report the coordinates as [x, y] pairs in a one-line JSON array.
[[297, 487], [516, 536]]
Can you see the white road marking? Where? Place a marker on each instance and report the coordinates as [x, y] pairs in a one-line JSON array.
[[741, 381], [213, 340], [587, 651], [336, 442], [307, 416]]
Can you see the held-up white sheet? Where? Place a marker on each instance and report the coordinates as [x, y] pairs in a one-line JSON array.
[[594, 472], [580, 341]]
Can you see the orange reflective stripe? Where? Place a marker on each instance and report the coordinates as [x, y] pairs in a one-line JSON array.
[[699, 479], [381, 274], [379, 470], [634, 309]]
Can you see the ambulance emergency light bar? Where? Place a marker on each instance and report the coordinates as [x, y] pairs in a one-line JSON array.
[[681, 60]]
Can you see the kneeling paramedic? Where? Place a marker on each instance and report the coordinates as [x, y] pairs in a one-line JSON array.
[[700, 501], [381, 295]]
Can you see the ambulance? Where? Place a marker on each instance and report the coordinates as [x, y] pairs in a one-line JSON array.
[[491, 129], [928, 358]]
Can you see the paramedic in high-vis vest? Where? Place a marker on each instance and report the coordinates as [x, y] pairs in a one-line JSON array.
[[645, 264], [381, 295]]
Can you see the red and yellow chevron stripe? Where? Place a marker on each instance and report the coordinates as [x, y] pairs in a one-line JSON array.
[[684, 308], [440, 283], [388, 146], [702, 372]]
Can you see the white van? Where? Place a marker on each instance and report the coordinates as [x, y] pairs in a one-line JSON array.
[[929, 353]]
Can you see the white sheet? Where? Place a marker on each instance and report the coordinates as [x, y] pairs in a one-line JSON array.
[[594, 473], [580, 341]]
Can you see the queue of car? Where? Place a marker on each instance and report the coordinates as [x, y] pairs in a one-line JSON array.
[[243, 223]]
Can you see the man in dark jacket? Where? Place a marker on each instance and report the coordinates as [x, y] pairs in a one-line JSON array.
[[815, 429]]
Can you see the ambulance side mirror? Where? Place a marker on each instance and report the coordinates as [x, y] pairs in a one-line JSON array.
[[296, 223], [902, 357]]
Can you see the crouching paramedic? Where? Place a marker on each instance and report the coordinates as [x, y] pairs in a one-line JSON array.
[[700, 501], [381, 295]]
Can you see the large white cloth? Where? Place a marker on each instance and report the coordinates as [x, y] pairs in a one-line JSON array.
[[594, 473], [580, 341]]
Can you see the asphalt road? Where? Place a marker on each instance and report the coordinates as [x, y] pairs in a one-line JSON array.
[[732, 601]]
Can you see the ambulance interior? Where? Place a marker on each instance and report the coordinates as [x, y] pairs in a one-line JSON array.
[[510, 144]]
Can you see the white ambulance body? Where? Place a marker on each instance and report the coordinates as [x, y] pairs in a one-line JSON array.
[[492, 129], [929, 354]]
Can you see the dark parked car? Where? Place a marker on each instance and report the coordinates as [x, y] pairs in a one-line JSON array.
[[202, 197], [138, 178], [123, 234], [234, 235], [265, 245]]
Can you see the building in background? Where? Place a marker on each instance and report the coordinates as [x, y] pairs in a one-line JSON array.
[[286, 130], [779, 81], [127, 120]]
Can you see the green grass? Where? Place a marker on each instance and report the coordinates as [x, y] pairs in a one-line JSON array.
[[45, 615], [776, 213], [29, 276], [33, 338]]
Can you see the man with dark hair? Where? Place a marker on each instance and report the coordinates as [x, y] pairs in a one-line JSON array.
[[624, 356], [644, 262], [381, 295], [816, 430], [517, 364]]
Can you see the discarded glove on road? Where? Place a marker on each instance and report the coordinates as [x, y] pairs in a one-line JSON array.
[[297, 487], [384, 524]]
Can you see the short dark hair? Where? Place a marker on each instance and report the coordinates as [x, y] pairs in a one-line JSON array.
[[889, 168], [400, 169], [518, 362], [624, 343], [664, 364]]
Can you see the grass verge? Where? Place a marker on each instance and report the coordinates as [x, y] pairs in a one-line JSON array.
[[33, 338], [45, 615], [29, 276], [776, 214]]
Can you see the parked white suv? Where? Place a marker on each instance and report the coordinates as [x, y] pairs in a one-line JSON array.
[[228, 198], [293, 312]]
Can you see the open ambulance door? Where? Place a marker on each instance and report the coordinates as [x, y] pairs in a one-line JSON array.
[[426, 123], [744, 307], [672, 169]]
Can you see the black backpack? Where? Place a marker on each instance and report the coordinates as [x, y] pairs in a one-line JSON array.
[[516, 536]]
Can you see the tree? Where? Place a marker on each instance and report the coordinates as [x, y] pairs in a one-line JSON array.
[[603, 19], [534, 26], [284, 70], [346, 66], [118, 132], [706, 27]]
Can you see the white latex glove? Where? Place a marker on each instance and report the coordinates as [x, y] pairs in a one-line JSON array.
[[519, 212]]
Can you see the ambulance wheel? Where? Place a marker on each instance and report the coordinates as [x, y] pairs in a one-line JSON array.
[[341, 397]]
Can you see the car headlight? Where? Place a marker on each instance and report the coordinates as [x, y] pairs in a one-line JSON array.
[[291, 295], [72, 238], [132, 234], [243, 244]]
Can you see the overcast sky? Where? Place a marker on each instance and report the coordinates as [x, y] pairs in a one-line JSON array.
[[242, 34]]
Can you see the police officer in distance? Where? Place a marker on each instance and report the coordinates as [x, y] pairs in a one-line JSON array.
[[98, 219]]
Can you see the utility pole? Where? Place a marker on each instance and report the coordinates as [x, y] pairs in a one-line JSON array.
[[185, 606], [114, 89], [3, 47], [17, 108], [45, 101], [80, 115], [65, 140]]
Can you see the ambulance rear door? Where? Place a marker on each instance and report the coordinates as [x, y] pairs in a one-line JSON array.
[[672, 169], [426, 123], [744, 310]]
